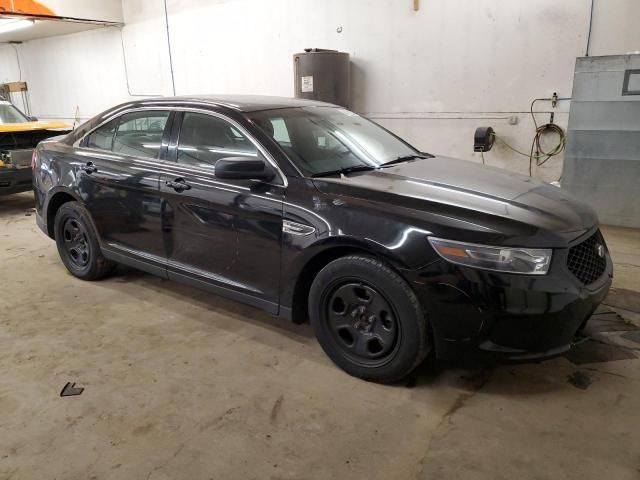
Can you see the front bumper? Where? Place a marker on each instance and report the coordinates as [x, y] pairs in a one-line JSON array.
[[15, 180], [512, 317]]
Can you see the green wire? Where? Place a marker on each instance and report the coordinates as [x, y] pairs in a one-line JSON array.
[[541, 157], [555, 151], [511, 148]]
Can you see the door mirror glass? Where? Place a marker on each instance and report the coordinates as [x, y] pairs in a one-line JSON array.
[[244, 168]]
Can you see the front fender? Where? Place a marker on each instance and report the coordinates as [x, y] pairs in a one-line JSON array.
[[301, 264], [329, 226], [322, 246]]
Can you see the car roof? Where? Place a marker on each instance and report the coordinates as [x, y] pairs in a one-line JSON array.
[[242, 103], [238, 103]]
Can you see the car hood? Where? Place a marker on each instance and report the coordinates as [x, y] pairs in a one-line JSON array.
[[460, 188], [31, 126]]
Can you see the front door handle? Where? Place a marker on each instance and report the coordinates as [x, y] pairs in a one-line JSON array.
[[179, 185], [89, 167]]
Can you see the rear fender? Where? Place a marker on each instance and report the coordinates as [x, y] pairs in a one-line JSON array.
[[54, 199]]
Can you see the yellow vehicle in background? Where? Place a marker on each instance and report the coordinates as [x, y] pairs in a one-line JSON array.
[[19, 135]]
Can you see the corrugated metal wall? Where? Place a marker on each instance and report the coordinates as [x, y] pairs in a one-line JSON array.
[[602, 163]]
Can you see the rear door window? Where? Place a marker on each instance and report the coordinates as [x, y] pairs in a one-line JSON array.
[[140, 133], [137, 133]]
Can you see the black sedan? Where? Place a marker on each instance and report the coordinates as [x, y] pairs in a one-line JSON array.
[[308, 210]]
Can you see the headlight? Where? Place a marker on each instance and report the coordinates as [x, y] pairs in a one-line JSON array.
[[531, 261]]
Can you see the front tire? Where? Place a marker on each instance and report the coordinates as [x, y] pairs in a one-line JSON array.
[[78, 244], [367, 319]]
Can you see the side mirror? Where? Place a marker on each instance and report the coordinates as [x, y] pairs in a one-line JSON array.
[[244, 168]]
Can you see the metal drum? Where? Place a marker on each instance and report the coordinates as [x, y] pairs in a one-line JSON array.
[[322, 75]]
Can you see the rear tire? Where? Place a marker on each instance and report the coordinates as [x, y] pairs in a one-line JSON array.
[[367, 319], [78, 244]]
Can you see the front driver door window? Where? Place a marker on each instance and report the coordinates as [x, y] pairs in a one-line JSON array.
[[205, 139]]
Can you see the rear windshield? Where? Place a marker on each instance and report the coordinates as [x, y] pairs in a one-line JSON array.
[[10, 114]]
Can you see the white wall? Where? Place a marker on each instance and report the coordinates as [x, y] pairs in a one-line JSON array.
[[83, 71], [432, 76], [9, 71]]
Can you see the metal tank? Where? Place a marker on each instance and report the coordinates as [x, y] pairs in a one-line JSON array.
[[322, 75]]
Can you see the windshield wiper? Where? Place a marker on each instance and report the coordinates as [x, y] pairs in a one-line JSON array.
[[363, 168], [402, 159], [355, 168]]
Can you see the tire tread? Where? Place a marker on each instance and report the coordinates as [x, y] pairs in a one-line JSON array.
[[101, 267], [391, 275]]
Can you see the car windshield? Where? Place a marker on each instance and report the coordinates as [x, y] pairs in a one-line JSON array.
[[10, 114], [327, 140]]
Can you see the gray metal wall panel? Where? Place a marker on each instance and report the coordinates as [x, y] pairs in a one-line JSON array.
[[601, 86], [605, 116], [585, 145], [616, 193], [609, 63], [602, 162]]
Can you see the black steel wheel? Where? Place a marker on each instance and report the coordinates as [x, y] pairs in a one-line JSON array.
[[362, 322], [78, 244], [368, 319]]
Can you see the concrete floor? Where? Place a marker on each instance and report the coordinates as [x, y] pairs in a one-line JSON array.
[[182, 384]]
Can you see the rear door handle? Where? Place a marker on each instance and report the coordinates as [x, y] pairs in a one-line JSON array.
[[179, 185], [89, 167]]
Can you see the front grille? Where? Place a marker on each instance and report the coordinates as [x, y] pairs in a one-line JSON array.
[[585, 262]]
